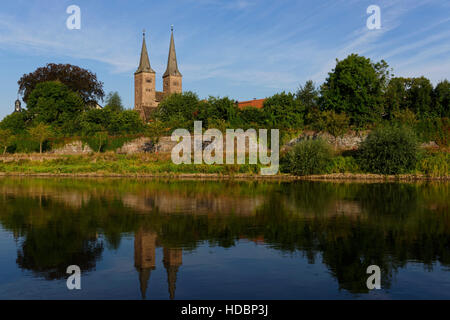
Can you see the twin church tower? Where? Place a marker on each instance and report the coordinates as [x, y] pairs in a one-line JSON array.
[[146, 98]]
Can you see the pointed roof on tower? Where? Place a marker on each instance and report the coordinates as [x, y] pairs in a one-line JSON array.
[[172, 65], [144, 64], [144, 276]]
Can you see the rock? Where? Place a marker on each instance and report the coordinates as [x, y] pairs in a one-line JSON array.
[[429, 145], [349, 141], [75, 147]]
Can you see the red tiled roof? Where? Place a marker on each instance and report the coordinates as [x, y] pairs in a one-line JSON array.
[[257, 103]]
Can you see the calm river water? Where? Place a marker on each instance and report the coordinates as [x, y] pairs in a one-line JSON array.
[[136, 239]]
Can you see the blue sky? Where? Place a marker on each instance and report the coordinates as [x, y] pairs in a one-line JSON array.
[[243, 49]]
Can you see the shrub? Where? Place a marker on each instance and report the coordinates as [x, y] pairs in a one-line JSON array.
[[389, 150], [435, 164], [308, 157], [434, 129], [343, 165]]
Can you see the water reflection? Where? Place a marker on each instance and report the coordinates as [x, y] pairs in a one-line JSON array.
[[343, 226], [144, 260]]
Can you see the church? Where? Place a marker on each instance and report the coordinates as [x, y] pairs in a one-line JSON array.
[[146, 98]]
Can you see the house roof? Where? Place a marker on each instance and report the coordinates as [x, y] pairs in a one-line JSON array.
[[256, 103]]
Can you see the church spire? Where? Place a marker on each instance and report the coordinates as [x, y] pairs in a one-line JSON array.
[[172, 65], [144, 64]]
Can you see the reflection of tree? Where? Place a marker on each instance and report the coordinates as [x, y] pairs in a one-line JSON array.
[[390, 225], [50, 259]]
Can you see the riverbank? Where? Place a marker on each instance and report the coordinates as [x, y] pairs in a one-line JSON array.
[[160, 166]]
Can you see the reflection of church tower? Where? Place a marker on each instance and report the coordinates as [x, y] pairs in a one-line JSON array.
[[173, 259], [144, 257]]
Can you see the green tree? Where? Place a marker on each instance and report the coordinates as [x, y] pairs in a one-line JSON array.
[[77, 79], [308, 95], [40, 133], [420, 97], [396, 96], [441, 99], [101, 138], [55, 104], [114, 102], [356, 86], [181, 109], [5, 139], [15, 122], [283, 110], [336, 124], [415, 94]]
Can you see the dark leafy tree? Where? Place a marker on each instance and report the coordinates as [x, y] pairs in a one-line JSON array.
[[184, 107], [308, 95], [389, 150], [77, 79], [421, 97], [356, 86], [442, 99], [114, 102], [283, 110], [54, 103], [15, 122]]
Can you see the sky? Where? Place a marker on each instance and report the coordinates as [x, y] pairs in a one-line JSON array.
[[242, 49]]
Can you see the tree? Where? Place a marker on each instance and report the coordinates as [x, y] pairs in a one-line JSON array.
[[415, 94], [420, 97], [40, 133], [308, 95], [101, 138], [336, 124], [54, 103], [5, 139], [396, 96], [77, 79], [179, 108], [441, 99], [283, 110], [15, 122], [356, 86], [114, 102]]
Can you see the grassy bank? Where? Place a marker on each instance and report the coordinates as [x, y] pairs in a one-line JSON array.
[[160, 165]]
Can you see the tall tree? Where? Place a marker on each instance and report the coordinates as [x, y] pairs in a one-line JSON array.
[[396, 96], [415, 94], [114, 102], [441, 99], [5, 139], [77, 79], [40, 133], [308, 95], [421, 97], [356, 86], [53, 103]]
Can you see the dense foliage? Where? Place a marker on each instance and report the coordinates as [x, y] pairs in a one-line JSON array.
[[308, 157], [389, 150], [358, 94]]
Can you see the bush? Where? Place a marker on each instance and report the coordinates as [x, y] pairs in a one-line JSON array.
[[389, 150], [343, 165], [434, 129], [435, 164], [308, 157]]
